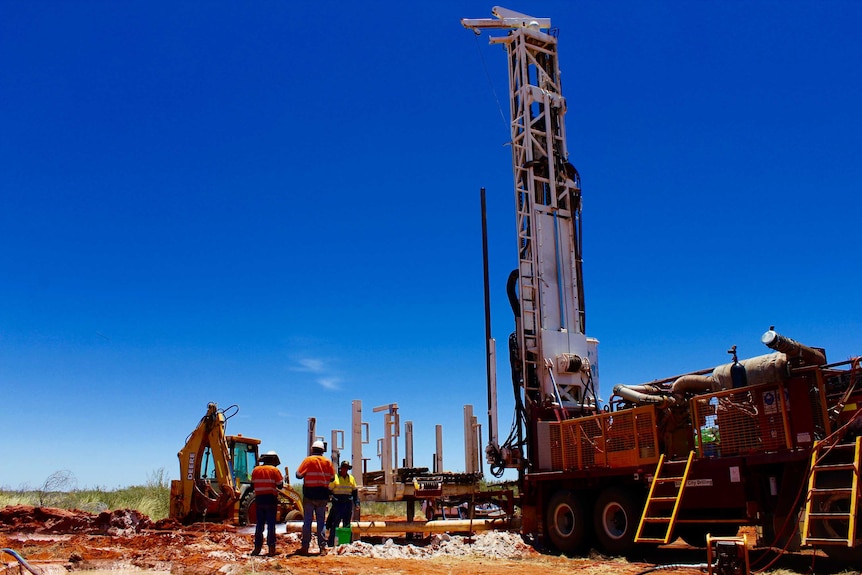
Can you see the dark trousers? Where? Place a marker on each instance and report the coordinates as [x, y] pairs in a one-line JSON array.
[[314, 510], [341, 512], [267, 506]]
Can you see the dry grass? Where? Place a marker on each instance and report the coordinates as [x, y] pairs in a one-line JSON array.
[[152, 498]]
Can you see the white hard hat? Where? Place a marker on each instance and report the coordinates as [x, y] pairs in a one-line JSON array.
[[272, 457], [318, 445]]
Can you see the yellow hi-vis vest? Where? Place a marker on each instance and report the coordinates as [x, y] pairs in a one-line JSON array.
[[343, 486]]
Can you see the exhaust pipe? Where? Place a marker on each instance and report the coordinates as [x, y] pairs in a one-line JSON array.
[[793, 349]]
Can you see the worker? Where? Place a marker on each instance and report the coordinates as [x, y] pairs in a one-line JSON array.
[[344, 497], [316, 472], [266, 480]]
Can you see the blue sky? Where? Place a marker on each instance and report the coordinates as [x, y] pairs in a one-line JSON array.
[[276, 204]]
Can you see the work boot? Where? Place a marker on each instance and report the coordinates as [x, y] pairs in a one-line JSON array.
[[256, 551], [272, 552], [302, 551]]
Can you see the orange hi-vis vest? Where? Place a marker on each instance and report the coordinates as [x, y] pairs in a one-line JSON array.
[[316, 471], [266, 480]]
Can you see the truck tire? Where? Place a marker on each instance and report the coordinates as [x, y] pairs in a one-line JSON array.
[[565, 522], [293, 515], [837, 528], [248, 510], [615, 519]]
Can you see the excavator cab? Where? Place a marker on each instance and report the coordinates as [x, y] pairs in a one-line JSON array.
[[244, 454]]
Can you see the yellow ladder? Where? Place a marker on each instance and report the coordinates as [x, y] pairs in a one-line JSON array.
[[833, 495], [662, 504]]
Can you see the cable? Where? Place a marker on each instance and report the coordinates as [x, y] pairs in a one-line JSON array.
[[230, 411], [491, 84], [674, 566], [22, 561]]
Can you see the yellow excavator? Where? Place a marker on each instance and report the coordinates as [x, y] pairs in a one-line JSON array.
[[215, 476]]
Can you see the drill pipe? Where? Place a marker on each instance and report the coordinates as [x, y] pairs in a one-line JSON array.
[[440, 526]]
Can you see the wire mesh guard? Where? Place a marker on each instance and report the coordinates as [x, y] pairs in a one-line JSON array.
[[739, 421], [618, 439]]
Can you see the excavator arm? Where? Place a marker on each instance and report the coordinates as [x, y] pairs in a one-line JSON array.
[[206, 486]]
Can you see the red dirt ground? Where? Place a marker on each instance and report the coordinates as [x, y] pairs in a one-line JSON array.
[[77, 540]]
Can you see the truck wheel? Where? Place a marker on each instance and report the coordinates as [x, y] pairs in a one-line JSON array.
[[293, 515], [565, 522], [837, 528], [248, 510], [615, 519]]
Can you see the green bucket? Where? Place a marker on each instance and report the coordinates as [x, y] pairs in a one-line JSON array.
[[343, 535]]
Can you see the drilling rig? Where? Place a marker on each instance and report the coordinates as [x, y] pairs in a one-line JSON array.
[[770, 442]]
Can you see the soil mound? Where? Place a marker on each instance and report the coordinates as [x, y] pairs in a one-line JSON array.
[[50, 520]]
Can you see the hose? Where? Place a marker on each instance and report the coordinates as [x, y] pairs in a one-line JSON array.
[[22, 561], [514, 440], [630, 395], [512, 293], [701, 566]]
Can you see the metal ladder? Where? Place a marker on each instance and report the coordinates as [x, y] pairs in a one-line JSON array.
[[662, 504], [833, 495]]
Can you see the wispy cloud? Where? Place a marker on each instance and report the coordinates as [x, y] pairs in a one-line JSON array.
[[329, 382], [326, 379], [309, 365]]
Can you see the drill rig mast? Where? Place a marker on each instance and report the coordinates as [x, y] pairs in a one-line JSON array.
[[553, 361]]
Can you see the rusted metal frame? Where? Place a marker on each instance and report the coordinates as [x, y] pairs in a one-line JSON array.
[[824, 411], [695, 409], [785, 418], [820, 382]]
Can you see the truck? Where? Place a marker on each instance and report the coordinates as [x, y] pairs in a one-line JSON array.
[[770, 443], [215, 476]]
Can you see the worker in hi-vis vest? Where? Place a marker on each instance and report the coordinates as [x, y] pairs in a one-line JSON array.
[[344, 497], [316, 472], [266, 480]]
